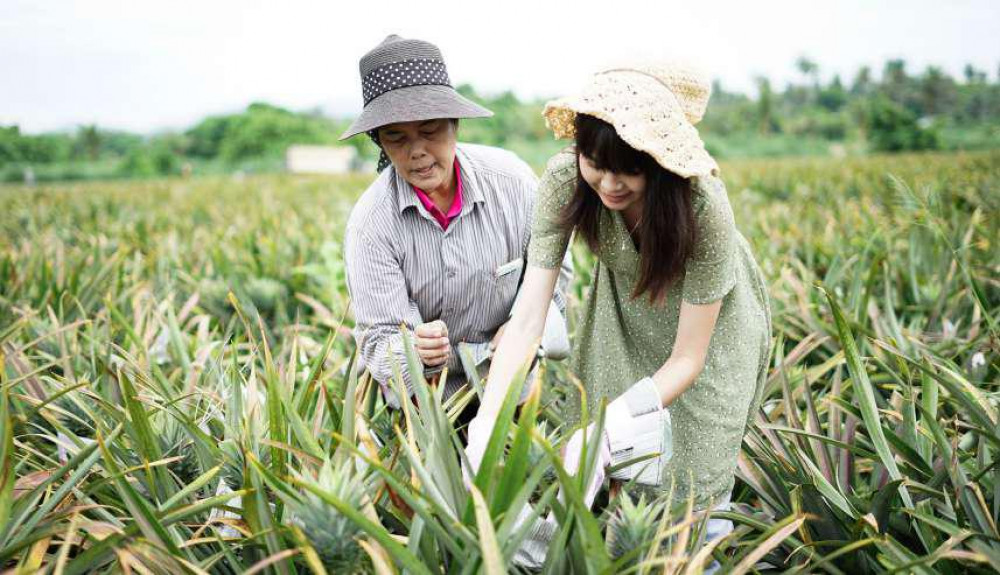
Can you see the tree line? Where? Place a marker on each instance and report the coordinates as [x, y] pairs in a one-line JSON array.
[[893, 111]]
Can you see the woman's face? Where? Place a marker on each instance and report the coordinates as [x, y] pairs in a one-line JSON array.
[[423, 152], [618, 192]]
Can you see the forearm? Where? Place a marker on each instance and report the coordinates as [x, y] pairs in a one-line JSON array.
[[516, 349], [379, 350], [675, 376], [687, 360]]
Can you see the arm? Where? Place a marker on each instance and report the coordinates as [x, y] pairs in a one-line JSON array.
[[381, 304], [709, 276], [519, 338], [546, 254], [686, 361], [555, 334], [555, 339], [636, 423]]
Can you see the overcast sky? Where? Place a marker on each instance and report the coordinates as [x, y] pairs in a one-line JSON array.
[[150, 65]]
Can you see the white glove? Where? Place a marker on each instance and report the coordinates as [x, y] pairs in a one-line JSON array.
[[555, 337], [479, 436], [636, 425]]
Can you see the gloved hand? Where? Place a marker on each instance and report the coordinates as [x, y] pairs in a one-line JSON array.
[[636, 425], [555, 337], [480, 429]]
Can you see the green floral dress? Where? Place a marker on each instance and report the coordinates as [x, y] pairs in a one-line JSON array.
[[621, 340]]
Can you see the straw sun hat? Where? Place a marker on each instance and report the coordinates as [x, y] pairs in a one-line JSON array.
[[405, 80], [654, 109]]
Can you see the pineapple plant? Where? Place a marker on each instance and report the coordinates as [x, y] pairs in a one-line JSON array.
[[175, 442], [633, 528], [333, 535]]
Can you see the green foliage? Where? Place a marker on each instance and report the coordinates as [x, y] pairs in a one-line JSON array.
[[897, 112], [892, 128], [151, 422], [160, 157], [263, 130]]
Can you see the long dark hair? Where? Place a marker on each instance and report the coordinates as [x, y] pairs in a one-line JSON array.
[[667, 229]]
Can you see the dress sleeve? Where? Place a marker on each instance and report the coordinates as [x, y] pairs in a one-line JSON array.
[[548, 239], [710, 272]]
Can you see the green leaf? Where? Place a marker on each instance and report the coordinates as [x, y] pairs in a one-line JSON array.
[[866, 397], [489, 548]]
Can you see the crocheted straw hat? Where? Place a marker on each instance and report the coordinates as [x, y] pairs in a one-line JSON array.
[[653, 108]]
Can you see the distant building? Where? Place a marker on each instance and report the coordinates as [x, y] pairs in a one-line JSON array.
[[321, 159]]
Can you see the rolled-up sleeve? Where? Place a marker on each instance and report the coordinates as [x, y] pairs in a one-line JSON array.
[[381, 305]]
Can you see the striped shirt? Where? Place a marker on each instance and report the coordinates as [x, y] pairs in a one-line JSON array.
[[403, 268]]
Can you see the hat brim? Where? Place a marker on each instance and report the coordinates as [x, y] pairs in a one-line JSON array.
[[413, 104], [668, 136]]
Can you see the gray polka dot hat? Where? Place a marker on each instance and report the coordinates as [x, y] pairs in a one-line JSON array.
[[405, 80]]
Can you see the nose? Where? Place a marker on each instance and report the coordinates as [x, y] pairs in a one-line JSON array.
[[609, 183], [417, 149]]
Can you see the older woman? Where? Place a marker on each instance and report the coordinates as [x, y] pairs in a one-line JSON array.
[[439, 239]]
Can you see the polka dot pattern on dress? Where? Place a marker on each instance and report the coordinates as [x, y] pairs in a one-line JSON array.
[[620, 340], [402, 74]]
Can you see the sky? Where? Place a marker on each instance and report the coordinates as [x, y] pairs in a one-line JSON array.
[[150, 66]]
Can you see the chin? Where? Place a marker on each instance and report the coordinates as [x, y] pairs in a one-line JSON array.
[[430, 183], [616, 207]]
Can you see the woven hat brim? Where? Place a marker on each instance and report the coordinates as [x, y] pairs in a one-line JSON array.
[[668, 136], [414, 104]]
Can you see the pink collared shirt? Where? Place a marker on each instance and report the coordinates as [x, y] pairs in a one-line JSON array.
[[456, 204]]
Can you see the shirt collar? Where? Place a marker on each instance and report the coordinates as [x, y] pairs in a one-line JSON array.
[[471, 193], [444, 218]]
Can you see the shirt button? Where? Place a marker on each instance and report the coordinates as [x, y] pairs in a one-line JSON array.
[[451, 273]]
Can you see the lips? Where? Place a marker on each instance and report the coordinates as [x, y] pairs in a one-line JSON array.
[[617, 198], [424, 171]]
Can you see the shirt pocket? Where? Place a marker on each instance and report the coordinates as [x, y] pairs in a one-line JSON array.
[[499, 286]]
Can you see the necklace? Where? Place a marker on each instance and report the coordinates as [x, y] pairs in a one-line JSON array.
[[628, 235]]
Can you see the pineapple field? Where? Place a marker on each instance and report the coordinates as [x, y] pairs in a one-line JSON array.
[[178, 391]]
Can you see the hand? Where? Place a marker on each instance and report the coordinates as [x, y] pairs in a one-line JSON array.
[[431, 340], [637, 425], [573, 459], [533, 550], [480, 429]]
